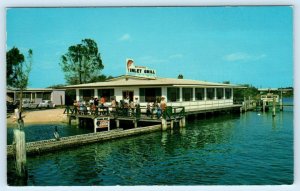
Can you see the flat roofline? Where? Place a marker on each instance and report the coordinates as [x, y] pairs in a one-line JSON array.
[[161, 85]]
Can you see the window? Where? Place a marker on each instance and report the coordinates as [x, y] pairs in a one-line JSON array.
[[86, 94], [199, 93], [27, 95], [210, 93], [39, 95], [228, 93], [107, 93], [46, 96], [187, 94], [149, 94], [173, 94], [220, 93]]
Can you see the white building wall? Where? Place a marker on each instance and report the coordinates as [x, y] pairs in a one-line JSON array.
[[77, 95], [164, 92], [119, 92], [58, 97]]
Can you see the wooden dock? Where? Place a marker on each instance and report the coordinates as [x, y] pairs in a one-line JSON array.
[[39, 147], [167, 120]]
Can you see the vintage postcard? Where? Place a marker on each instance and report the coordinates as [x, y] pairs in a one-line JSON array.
[[131, 96]]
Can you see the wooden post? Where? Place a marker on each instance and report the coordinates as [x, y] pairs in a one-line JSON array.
[[264, 106], [183, 121], [249, 102], [280, 103], [135, 123], [164, 124], [61, 100], [274, 107], [70, 119], [20, 148], [245, 104], [118, 123]]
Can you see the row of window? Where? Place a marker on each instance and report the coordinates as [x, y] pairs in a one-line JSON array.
[[173, 94], [88, 93], [187, 94], [43, 95]]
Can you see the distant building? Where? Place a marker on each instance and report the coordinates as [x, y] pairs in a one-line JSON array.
[[57, 96]]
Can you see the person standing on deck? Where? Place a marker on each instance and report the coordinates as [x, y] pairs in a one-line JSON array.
[[126, 100], [136, 104], [91, 102], [163, 104], [102, 101], [96, 103], [102, 106], [148, 112], [113, 104]]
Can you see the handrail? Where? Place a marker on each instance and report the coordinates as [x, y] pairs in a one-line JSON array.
[[171, 112], [174, 112]]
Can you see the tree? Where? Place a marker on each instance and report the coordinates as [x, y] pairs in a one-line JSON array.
[[18, 70], [100, 78], [180, 76], [13, 59], [240, 94], [82, 62]]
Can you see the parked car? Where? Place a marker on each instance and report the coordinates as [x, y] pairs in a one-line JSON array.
[[46, 104], [29, 104], [10, 107]]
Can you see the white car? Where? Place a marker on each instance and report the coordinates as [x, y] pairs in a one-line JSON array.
[[46, 104], [29, 104]]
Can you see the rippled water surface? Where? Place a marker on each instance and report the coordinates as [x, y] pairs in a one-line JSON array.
[[252, 148]]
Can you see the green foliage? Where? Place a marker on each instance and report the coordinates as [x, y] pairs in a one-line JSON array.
[[57, 86], [13, 59], [289, 93], [82, 62], [100, 78], [240, 93], [17, 69]]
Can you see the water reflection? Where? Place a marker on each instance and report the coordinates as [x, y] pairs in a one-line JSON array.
[[219, 150]]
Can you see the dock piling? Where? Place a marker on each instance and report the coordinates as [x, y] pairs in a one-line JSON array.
[[117, 123], [20, 149], [274, 107], [264, 106], [135, 123], [164, 124], [182, 122]]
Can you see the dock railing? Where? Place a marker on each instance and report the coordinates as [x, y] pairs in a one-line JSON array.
[[170, 113], [173, 112]]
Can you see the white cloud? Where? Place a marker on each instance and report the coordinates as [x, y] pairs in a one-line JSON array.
[[240, 56], [125, 37]]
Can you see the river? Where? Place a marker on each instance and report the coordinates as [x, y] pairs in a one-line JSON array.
[[253, 148]]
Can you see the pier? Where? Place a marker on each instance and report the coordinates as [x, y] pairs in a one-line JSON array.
[[173, 116], [39, 147]]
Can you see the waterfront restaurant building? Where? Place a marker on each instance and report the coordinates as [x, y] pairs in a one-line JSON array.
[[141, 82]]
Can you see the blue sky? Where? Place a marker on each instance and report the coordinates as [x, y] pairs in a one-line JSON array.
[[243, 45]]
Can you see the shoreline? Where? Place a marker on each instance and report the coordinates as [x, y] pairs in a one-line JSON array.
[[46, 116]]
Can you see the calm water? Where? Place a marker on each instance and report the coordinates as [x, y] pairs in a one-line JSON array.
[[251, 148]]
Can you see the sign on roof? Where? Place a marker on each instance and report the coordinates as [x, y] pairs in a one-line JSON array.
[[142, 71]]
